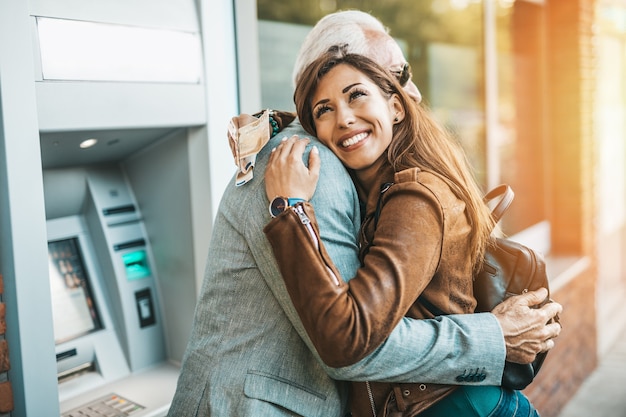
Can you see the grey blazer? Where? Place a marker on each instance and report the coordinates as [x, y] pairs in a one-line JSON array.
[[248, 354]]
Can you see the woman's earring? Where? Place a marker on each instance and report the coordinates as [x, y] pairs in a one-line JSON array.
[[396, 119]]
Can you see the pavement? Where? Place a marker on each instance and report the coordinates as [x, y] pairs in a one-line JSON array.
[[603, 394]]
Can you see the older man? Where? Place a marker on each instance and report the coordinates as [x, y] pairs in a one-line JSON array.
[[249, 354]]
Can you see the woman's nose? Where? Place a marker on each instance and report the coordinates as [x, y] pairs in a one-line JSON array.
[[345, 117]]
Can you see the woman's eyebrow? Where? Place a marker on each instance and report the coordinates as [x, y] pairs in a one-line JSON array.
[[345, 90], [349, 87]]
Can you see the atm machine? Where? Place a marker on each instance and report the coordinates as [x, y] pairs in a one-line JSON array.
[[108, 326], [127, 221], [123, 243]]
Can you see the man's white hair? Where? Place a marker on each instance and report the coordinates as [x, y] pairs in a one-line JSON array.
[[346, 27]]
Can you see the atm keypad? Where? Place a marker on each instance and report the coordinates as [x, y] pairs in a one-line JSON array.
[[111, 405]]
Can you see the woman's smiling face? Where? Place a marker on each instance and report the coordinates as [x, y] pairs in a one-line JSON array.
[[353, 117]]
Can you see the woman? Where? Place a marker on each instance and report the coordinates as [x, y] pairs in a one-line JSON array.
[[424, 233]]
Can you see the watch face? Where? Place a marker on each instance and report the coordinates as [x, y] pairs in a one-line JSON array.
[[277, 206]]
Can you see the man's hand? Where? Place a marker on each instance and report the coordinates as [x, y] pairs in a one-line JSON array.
[[525, 328]]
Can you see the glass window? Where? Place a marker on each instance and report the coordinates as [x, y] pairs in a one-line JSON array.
[[480, 66], [518, 140], [611, 114]]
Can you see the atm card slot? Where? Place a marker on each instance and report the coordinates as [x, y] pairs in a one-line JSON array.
[[129, 244], [66, 354], [130, 208]]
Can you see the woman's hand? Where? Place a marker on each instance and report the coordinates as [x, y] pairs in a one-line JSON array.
[[286, 175]]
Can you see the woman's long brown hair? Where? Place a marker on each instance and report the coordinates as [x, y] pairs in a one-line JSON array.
[[418, 140]]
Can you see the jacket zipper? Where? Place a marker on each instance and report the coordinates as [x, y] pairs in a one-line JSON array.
[[371, 397], [304, 219]]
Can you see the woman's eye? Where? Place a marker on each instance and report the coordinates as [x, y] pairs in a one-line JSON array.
[[354, 94], [319, 112]]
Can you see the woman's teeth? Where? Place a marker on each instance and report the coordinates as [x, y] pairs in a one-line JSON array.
[[354, 140]]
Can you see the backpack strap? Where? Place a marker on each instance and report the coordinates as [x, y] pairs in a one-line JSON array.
[[506, 195]]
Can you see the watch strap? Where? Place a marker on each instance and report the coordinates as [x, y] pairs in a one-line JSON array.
[[280, 204], [293, 201]]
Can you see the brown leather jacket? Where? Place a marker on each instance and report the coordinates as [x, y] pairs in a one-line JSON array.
[[414, 262]]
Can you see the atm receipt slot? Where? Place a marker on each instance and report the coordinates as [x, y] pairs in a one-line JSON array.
[[145, 308]]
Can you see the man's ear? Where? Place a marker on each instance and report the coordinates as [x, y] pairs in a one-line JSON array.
[[397, 109]]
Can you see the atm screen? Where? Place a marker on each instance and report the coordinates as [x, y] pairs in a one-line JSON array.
[[73, 305]]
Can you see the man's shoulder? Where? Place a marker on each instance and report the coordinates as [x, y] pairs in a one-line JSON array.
[[294, 128]]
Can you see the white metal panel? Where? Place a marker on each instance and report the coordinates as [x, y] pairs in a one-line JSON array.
[[71, 105], [23, 249], [173, 14], [218, 27], [85, 106]]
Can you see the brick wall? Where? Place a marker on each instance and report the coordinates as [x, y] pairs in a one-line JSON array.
[[574, 355], [6, 392]]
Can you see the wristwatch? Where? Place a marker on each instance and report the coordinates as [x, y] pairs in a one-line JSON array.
[[280, 204]]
